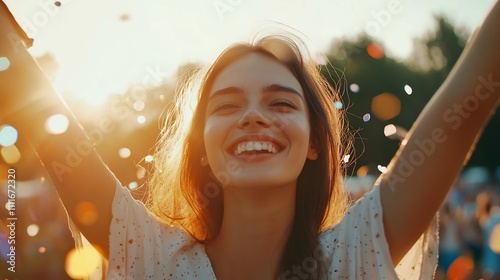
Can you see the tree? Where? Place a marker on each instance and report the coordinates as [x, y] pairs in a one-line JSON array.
[[361, 71]]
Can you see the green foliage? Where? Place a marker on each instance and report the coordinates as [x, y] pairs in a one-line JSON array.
[[432, 59]]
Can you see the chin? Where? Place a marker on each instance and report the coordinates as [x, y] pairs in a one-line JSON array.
[[259, 182]]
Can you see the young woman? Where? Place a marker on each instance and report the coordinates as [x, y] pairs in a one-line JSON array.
[[248, 185]]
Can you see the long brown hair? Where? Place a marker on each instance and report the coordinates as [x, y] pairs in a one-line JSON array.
[[184, 193]]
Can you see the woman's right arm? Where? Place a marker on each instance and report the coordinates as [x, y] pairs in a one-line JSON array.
[[75, 168]]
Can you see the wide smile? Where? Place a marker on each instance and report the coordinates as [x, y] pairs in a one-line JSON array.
[[255, 148]]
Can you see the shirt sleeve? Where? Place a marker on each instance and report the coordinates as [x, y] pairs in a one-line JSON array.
[[140, 247], [357, 248]]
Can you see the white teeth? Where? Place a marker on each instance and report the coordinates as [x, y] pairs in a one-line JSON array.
[[249, 146], [255, 146], [258, 146]]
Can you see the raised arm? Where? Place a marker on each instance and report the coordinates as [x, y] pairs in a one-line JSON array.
[[440, 141], [26, 101]]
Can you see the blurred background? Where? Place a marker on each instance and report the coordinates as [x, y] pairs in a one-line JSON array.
[[120, 62]]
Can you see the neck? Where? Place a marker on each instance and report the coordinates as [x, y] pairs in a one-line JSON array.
[[254, 232]]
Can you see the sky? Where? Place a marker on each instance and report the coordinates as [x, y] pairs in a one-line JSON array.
[[104, 47]]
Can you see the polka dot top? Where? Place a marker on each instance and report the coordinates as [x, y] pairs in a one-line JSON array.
[[143, 248]]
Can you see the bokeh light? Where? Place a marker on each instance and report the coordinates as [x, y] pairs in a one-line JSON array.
[[4, 63], [10, 154], [362, 171], [338, 105], [133, 185], [354, 88], [494, 241], [461, 268], [124, 152], [141, 172], [389, 130], [82, 262], [42, 250], [408, 90], [386, 106], [366, 117], [86, 213], [148, 158], [8, 135], [139, 106], [57, 124], [375, 51], [141, 119], [382, 169], [346, 158], [32, 229]]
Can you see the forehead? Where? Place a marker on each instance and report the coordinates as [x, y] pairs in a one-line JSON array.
[[253, 72]]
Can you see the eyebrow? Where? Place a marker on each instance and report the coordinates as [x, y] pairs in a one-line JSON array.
[[266, 89]]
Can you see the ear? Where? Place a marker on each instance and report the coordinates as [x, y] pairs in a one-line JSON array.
[[312, 153]]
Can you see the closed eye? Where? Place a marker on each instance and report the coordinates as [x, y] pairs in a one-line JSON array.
[[284, 103], [224, 107]]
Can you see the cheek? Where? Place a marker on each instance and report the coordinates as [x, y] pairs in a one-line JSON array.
[[214, 134], [210, 135], [299, 131]]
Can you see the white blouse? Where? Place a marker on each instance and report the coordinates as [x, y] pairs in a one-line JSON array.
[[143, 248]]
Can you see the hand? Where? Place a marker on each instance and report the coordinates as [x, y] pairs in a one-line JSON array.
[[21, 79]]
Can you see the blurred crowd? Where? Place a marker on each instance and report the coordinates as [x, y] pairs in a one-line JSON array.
[[469, 238]]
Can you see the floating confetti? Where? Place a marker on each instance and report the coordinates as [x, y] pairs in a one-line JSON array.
[[366, 117], [390, 130], [408, 90], [382, 169], [57, 3], [346, 158]]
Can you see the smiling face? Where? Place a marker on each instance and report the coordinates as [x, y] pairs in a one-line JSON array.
[[256, 124]]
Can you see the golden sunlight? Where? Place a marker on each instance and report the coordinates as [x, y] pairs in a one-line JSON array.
[[82, 262]]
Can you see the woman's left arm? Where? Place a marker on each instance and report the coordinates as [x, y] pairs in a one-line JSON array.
[[440, 141]]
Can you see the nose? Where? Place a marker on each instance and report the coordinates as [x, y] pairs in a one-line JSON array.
[[253, 117]]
